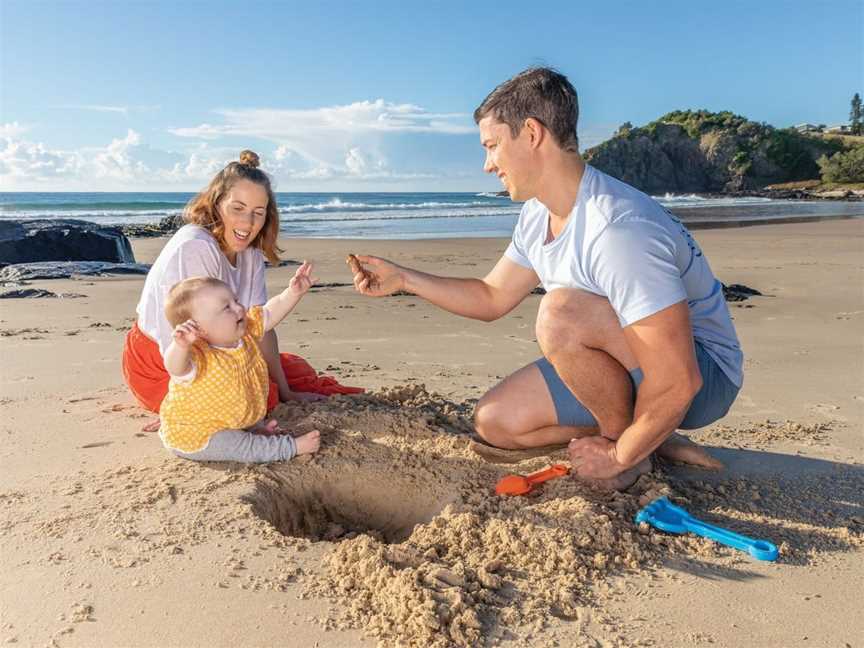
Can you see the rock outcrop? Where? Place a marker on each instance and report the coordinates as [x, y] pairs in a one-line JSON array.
[[703, 152], [62, 240]]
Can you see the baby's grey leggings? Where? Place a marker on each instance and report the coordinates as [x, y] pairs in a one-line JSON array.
[[239, 445]]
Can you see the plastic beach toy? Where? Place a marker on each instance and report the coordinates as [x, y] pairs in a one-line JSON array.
[[664, 515], [522, 484]]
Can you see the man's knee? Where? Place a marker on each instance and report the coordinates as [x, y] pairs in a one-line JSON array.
[[564, 319], [492, 423]]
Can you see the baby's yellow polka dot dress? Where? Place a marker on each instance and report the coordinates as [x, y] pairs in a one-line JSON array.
[[228, 392]]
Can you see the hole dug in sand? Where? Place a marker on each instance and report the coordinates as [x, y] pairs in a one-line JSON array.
[[345, 505]]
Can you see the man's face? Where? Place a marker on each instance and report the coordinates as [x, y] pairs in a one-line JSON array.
[[507, 157]]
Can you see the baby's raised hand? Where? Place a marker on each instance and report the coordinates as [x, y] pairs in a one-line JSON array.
[[187, 333], [302, 280]]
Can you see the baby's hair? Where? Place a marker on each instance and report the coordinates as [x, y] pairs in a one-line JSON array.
[[178, 304]]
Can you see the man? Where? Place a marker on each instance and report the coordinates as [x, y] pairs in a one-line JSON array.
[[635, 333]]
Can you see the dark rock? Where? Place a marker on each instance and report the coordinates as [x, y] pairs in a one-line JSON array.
[[66, 269], [738, 292], [165, 227], [33, 293], [62, 240]]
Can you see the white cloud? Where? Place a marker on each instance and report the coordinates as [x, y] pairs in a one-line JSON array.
[[24, 160], [361, 117], [355, 162], [123, 110], [118, 159], [344, 143], [125, 161], [12, 130]]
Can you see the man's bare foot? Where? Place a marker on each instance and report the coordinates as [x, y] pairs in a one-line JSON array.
[[621, 481], [308, 443], [503, 456], [680, 449]]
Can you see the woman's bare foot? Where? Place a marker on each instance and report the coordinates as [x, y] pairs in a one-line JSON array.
[[152, 426], [308, 443], [681, 449]]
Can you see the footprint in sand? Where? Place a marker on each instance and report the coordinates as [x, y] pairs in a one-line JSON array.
[[827, 409], [848, 315]]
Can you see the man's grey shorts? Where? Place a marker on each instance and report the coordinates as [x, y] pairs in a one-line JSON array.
[[710, 404]]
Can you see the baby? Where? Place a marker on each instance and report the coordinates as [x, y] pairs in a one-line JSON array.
[[217, 397]]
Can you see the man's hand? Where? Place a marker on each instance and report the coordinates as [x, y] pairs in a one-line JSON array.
[[594, 457], [187, 334], [302, 280], [381, 278]]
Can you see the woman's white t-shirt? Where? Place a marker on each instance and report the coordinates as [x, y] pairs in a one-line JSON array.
[[193, 252]]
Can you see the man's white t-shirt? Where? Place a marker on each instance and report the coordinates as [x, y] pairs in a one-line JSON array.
[[623, 245], [193, 252]]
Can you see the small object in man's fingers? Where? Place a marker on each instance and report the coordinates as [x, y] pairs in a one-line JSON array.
[[356, 268], [354, 263]]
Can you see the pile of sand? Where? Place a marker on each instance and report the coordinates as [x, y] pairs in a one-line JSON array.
[[427, 554], [422, 552]]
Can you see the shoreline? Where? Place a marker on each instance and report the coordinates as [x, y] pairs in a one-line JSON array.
[[168, 225]]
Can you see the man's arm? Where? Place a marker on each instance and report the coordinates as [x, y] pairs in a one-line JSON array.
[[487, 299], [663, 346]]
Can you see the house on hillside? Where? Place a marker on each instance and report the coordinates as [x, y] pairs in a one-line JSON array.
[[807, 128], [842, 128]]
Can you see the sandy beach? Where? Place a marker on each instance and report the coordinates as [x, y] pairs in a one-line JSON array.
[[392, 534]]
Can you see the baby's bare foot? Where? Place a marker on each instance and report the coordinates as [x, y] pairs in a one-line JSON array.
[[308, 443]]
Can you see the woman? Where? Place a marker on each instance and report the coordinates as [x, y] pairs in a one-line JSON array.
[[231, 227]]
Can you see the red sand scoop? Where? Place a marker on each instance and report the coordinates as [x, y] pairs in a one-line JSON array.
[[522, 484]]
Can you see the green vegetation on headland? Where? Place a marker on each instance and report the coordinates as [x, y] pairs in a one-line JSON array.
[[705, 152]]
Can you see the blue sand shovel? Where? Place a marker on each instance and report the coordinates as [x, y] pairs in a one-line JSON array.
[[664, 515]]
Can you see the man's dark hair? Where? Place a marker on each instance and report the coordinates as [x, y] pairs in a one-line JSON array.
[[541, 93]]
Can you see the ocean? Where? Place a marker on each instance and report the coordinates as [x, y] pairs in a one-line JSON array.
[[398, 215]]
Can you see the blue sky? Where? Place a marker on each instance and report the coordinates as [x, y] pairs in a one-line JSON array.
[[378, 96]]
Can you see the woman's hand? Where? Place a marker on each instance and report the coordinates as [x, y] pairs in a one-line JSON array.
[[187, 334], [302, 280], [381, 278]]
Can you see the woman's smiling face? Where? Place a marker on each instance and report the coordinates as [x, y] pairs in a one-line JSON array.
[[243, 212]]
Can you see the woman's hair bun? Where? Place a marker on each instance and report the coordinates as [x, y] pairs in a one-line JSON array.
[[250, 158]]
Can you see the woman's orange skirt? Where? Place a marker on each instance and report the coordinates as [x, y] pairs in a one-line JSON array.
[[147, 378]]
